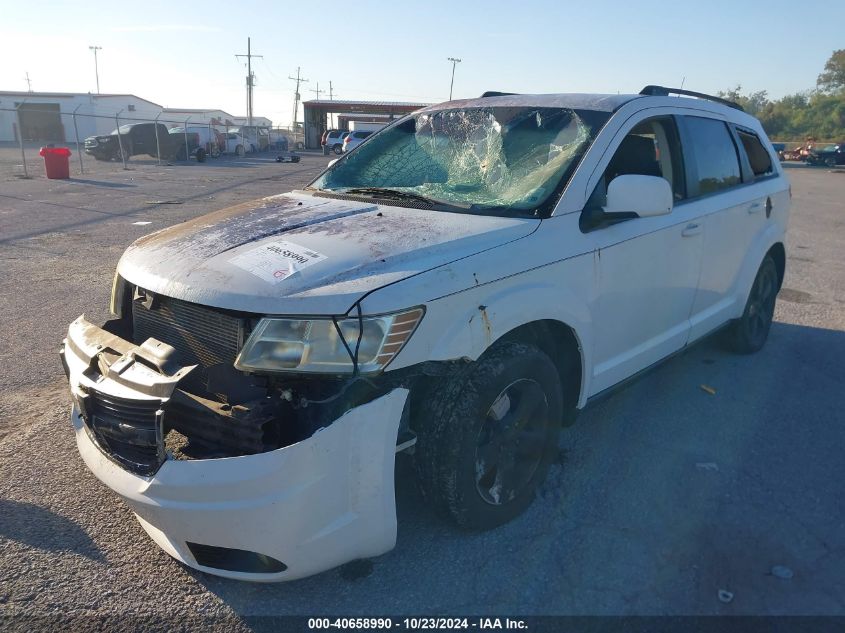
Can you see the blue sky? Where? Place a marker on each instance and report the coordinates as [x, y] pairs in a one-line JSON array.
[[182, 54]]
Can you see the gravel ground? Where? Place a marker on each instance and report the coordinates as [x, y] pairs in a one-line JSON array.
[[663, 495]]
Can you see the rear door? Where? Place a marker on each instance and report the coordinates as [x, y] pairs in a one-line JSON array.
[[731, 180]]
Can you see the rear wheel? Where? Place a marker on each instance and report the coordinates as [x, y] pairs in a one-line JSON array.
[[239, 150], [830, 162], [337, 148], [488, 437], [201, 155], [748, 334]]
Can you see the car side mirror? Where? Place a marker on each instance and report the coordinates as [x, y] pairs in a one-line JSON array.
[[645, 196]]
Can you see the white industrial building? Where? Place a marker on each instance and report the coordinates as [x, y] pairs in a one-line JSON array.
[[49, 116]]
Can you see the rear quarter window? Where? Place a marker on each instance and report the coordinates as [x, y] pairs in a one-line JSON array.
[[758, 158]]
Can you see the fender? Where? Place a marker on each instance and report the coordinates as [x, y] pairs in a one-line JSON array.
[[773, 234], [470, 331]]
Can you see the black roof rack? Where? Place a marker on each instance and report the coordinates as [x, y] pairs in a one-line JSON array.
[[662, 91], [494, 93]]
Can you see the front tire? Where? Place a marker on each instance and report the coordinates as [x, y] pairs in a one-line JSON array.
[[748, 334], [488, 437], [338, 149]]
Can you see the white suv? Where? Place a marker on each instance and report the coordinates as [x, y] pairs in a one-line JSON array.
[[459, 287]]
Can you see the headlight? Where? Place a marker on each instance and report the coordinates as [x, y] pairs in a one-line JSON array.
[[315, 346]]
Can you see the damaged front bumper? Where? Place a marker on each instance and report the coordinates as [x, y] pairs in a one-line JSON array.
[[272, 516]]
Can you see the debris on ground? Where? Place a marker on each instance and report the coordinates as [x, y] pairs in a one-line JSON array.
[[707, 466], [782, 571], [725, 596], [141, 223], [708, 389], [162, 202]]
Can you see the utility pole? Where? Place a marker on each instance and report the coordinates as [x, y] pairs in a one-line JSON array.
[[250, 79], [298, 80], [96, 67], [28, 82], [331, 96], [318, 91], [454, 61]]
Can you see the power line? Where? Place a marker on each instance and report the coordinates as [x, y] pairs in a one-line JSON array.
[[250, 79]]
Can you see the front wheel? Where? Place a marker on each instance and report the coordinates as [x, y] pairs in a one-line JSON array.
[[748, 334], [239, 150], [830, 162], [487, 439], [201, 155], [338, 149]]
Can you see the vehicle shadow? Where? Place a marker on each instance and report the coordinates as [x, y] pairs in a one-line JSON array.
[[42, 529], [663, 494]]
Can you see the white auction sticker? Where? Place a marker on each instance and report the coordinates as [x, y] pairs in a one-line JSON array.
[[277, 261]]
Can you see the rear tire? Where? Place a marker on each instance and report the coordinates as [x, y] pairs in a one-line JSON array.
[[201, 155], [338, 149], [239, 150], [830, 162], [748, 334], [489, 435]]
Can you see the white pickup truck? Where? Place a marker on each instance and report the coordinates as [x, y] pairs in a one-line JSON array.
[[459, 287]]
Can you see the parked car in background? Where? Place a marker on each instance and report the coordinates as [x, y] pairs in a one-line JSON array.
[[205, 137], [279, 141], [830, 155], [354, 139], [185, 145], [334, 140], [237, 143], [462, 285], [135, 138]]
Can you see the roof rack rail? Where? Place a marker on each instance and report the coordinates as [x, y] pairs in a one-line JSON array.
[[662, 91], [494, 93]]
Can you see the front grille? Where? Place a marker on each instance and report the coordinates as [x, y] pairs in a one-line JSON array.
[[201, 336], [128, 430]]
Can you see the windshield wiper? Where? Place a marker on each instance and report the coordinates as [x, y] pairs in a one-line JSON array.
[[395, 194]]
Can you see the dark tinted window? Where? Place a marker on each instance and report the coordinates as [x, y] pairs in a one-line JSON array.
[[714, 153], [758, 157]]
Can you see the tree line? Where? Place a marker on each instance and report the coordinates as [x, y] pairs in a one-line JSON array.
[[817, 113]]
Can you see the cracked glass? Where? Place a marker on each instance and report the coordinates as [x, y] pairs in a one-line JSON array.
[[479, 160]]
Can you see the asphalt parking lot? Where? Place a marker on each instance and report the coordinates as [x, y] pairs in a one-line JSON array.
[[664, 495]]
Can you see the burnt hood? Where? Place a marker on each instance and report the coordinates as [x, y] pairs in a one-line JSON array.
[[300, 254]]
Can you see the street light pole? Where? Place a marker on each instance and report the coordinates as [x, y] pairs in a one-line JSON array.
[[454, 61], [96, 68]]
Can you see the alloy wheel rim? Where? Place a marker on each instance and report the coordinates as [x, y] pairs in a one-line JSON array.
[[511, 441]]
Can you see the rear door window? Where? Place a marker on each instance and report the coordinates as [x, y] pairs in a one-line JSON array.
[[759, 159], [713, 156]]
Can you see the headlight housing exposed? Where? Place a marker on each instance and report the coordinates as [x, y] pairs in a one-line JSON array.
[[305, 345]]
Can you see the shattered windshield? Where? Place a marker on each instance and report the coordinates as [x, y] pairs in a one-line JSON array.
[[474, 159]]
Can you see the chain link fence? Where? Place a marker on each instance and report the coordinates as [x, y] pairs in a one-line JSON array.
[[127, 137]]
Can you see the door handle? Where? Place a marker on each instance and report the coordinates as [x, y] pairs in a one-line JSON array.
[[755, 207], [691, 229]]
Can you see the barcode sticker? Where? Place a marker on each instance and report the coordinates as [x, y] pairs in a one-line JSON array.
[[277, 261]]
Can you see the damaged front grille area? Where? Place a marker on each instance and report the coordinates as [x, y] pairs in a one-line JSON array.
[[130, 431], [201, 336]]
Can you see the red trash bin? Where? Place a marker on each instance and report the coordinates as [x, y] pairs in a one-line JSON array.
[[56, 162]]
